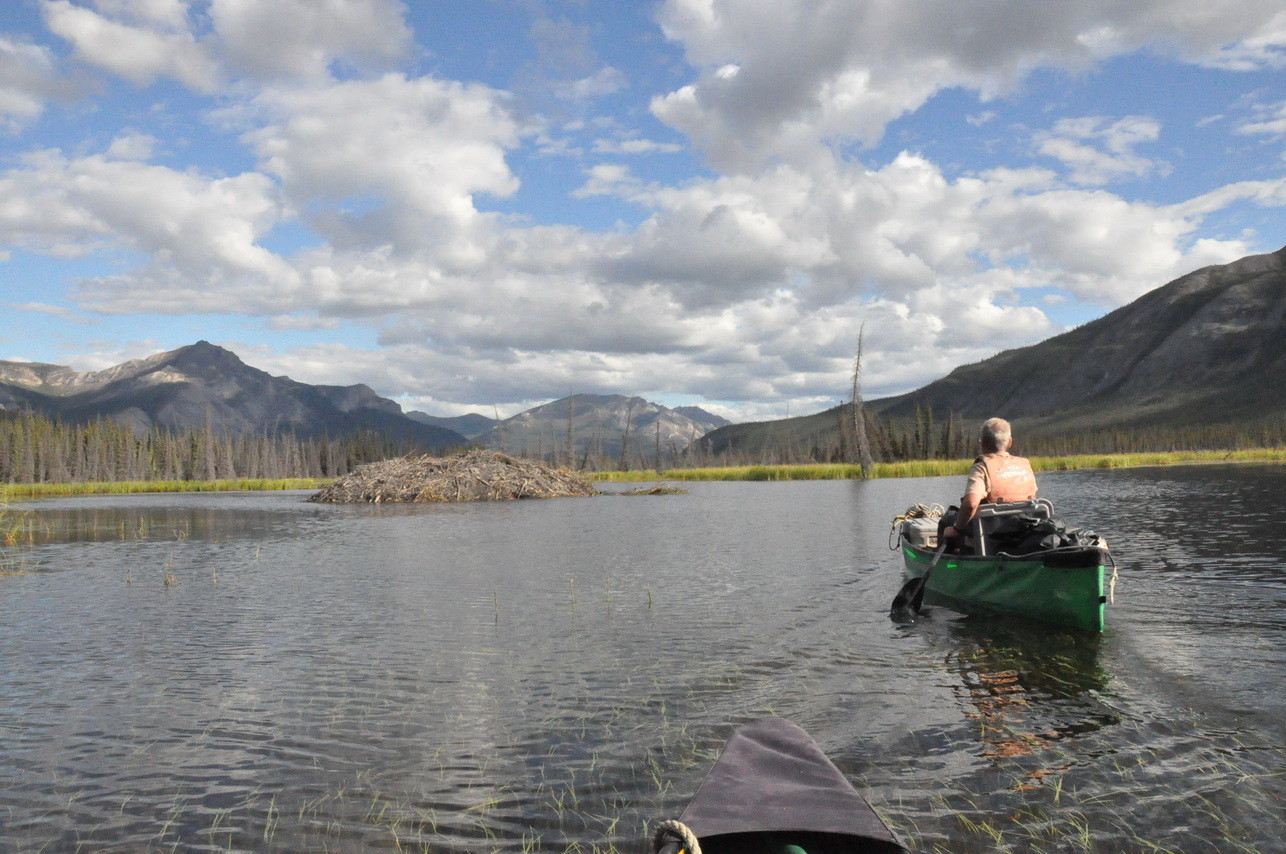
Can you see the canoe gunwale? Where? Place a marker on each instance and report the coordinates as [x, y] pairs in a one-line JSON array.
[[1064, 557]]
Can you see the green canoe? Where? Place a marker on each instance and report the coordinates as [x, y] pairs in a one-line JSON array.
[[1066, 586]]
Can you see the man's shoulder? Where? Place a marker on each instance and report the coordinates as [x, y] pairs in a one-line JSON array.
[[1003, 458]]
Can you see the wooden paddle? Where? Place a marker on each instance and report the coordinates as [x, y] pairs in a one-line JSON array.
[[911, 597]]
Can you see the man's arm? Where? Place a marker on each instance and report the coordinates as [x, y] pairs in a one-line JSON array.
[[968, 507], [975, 490]]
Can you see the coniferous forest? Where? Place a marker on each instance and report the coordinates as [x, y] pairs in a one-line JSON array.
[[34, 449]]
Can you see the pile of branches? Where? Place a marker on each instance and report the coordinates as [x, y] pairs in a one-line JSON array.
[[475, 475]]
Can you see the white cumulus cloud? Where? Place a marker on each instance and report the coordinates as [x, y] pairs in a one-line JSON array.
[[393, 160], [199, 234], [29, 77], [272, 39], [140, 54], [1099, 150], [872, 62]]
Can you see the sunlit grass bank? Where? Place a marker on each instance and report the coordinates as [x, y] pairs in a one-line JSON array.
[[11, 491], [939, 468], [816, 471]]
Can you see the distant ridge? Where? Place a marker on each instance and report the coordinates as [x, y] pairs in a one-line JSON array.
[[470, 426], [1207, 347], [601, 424], [598, 428], [1202, 354]]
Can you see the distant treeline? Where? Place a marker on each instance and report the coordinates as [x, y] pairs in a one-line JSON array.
[[833, 440], [34, 449], [952, 438]]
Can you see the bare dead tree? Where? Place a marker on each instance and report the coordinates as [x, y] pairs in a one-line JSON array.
[[658, 445], [500, 428], [571, 450], [858, 415], [625, 434]]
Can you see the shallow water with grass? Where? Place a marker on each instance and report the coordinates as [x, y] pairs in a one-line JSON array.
[[251, 672]]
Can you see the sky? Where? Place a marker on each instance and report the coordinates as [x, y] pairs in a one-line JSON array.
[[484, 205]]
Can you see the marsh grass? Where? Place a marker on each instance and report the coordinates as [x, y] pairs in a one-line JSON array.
[[578, 793], [1092, 793], [815, 471], [17, 536], [939, 468], [569, 798], [10, 491], [1098, 817]]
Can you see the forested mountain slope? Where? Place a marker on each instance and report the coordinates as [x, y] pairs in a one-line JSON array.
[[1208, 347], [1196, 362]]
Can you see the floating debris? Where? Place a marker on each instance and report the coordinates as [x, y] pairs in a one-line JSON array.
[[476, 475], [659, 489]]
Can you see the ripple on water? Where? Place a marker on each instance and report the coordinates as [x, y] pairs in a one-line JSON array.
[[541, 675]]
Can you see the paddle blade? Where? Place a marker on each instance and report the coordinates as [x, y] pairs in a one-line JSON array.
[[906, 605]]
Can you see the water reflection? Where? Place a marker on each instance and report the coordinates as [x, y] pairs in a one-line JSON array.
[[1028, 687], [133, 518]]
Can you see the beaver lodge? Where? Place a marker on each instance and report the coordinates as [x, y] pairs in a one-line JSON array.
[[476, 475]]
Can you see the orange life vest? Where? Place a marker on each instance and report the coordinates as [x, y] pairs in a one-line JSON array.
[[1009, 478]]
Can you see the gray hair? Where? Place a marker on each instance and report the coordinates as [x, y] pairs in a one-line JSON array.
[[995, 435]]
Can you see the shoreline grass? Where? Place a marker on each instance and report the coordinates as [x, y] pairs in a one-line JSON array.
[[10, 491], [795, 471], [941, 468]]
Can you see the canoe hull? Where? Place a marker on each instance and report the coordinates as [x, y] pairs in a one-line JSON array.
[[1064, 588]]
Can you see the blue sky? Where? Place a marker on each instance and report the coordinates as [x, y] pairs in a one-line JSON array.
[[486, 204]]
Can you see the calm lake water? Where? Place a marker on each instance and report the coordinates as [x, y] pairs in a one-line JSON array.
[[555, 675]]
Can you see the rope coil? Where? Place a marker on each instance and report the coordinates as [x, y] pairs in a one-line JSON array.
[[926, 511], [672, 832], [915, 511]]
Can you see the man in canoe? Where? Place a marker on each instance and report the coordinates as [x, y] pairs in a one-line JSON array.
[[996, 476]]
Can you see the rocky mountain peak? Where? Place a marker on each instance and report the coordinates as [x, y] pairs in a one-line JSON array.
[[204, 385]]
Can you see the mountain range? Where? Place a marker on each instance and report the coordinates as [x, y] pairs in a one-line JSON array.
[[1205, 350], [587, 425], [602, 426], [206, 386]]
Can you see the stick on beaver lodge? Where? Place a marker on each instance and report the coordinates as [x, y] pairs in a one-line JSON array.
[[475, 475]]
